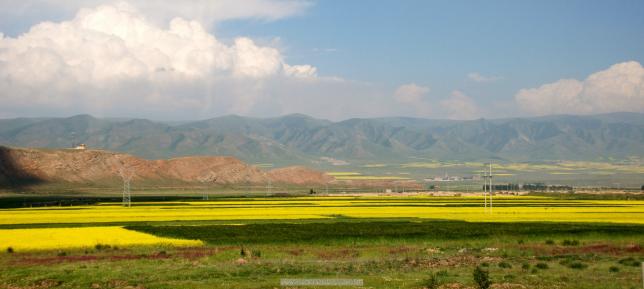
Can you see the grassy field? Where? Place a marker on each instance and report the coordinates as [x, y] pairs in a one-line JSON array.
[[389, 242], [617, 174]]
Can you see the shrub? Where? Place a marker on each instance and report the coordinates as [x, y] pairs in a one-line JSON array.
[[9, 250], [520, 242], [630, 261], [485, 264], [256, 253], [544, 258], [62, 254], [242, 252], [570, 242], [577, 265], [505, 265], [613, 269], [542, 266], [481, 278], [550, 242], [525, 266]]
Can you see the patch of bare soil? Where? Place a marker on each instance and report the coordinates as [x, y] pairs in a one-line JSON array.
[[299, 175], [401, 250], [599, 248], [338, 254], [508, 286], [454, 286], [295, 252], [41, 284]]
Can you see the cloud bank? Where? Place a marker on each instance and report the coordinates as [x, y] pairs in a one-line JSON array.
[[460, 106], [111, 60], [618, 88], [207, 12], [111, 56], [413, 95]]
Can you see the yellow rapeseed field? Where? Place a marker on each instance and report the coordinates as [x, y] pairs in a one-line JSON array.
[[58, 238], [507, 209]]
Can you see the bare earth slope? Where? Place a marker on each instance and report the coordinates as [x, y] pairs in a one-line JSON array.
[[23, 165], [298, 175]]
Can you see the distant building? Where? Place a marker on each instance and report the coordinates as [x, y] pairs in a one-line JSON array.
[[81, 146], [448, 178], [445, 178]]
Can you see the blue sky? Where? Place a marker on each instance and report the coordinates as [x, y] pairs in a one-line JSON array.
[[440, 42], [434, 46]]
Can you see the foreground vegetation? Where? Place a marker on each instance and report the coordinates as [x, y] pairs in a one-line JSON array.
[[383, 254], [389, 242]]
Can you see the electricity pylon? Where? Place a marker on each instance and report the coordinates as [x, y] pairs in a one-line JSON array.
[[126, 175]]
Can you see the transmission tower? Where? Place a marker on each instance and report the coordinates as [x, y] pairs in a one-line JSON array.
[[484, 177], [269, 186], [487, 187], [126, 175], [491, 187]]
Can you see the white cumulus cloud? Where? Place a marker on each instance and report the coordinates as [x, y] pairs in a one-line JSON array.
[[412, 94], [460, 106], [111, 53], [618, 88]]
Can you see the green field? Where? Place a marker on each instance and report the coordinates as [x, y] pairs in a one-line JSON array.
[[622, 174], [389, 242]]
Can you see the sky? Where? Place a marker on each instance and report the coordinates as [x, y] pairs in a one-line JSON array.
[[186, 60]]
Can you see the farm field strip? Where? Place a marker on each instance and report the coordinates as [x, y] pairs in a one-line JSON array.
[[85, 237], [468, 209]]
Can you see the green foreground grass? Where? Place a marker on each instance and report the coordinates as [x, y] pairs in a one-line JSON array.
[[385, 254]]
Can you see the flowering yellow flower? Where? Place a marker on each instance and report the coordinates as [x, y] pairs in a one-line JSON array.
[[58, 238]]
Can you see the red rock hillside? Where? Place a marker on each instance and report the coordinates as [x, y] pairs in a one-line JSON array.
[[23, 165]]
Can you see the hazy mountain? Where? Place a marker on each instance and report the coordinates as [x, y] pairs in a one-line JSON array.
[[298, 139]]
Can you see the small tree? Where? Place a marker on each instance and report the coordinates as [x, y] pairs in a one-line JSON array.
[[481, 278]]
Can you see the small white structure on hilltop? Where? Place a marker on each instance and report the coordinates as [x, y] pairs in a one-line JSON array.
[[81, 146]]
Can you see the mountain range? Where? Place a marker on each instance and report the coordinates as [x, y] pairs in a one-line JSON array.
[[300, 139]]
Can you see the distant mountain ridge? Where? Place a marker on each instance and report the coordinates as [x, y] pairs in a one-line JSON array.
[[300, 139]]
